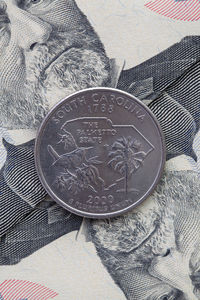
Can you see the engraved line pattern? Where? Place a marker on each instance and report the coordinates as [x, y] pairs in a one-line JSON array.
[[183, 10], [24, 290]]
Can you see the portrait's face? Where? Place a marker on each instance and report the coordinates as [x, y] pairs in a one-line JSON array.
[[35, 71]]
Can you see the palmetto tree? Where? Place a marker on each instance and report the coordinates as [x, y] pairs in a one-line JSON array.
[[125, 157]]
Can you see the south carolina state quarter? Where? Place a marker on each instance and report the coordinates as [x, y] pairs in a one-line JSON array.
[[100, 152]]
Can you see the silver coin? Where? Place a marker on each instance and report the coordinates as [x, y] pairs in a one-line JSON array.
[[100, 152]]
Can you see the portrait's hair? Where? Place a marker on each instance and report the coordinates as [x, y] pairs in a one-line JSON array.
[[127, 241], [131, 242], [3, 16], [4, 21]]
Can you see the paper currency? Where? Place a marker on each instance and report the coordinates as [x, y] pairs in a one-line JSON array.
[[49, 49]]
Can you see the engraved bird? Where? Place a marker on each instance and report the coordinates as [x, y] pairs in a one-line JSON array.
[[74, 158]]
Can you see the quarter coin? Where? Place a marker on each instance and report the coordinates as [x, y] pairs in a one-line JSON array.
[[100, 152]]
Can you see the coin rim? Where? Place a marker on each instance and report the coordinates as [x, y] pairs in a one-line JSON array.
[[60, 201]]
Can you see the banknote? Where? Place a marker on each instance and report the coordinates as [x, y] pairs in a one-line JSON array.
[[50, 49]]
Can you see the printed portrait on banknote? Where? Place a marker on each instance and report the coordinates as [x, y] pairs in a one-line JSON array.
[[50, 49]]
